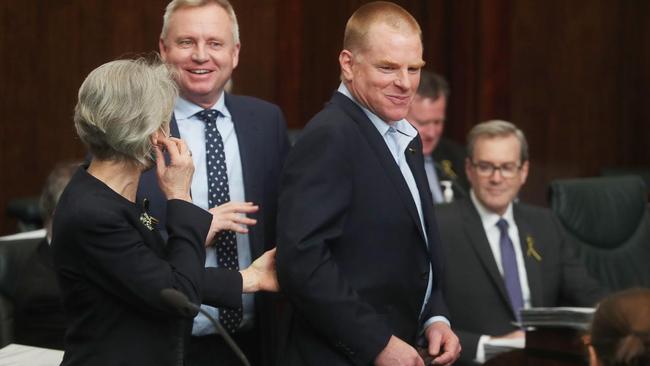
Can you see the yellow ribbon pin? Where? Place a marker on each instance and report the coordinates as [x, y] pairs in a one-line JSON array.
[[532, 252], [447, 169]]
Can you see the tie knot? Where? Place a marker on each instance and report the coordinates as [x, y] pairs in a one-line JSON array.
[[208, 115], [503, 225], [392, 129]]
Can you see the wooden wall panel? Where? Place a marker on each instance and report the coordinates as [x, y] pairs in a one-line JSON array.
[[576, 87], [574, 75], [47, 49]]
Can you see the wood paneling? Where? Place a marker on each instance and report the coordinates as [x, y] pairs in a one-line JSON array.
[[47, 48], [575, 75]]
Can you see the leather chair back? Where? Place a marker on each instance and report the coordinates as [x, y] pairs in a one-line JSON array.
[[13, 255], [607, 219]]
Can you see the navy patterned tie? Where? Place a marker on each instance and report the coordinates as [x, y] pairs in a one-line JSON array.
[[510, 271], [218, 194]]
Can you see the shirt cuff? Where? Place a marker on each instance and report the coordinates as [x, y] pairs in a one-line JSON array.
[[434, 319]]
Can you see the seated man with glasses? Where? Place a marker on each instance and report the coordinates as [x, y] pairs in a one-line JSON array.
[[501, 255]]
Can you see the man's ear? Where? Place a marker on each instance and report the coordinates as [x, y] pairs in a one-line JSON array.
[[524, 171], [468, 171], [162, 48], [346, 61]]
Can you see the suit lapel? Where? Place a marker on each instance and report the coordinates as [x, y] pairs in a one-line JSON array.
[[479, 242], [248, 138], [533, 270], [415, 161], [378, 145]]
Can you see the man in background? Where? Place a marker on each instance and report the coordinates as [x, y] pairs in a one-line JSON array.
[[501, 255], [444, 160], [238, 145]]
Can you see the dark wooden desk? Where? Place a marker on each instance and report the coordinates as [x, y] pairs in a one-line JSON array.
[[547, 347]]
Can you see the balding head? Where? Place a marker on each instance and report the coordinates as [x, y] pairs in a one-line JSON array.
[[377, 13]]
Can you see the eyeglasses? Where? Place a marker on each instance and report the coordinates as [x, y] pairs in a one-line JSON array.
[[485, 169]]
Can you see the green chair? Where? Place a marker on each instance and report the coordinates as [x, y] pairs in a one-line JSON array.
[[607, 219]]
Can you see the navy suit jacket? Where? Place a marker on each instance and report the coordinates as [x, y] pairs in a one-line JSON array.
[[263, 144], [352, 255], [474, 288]]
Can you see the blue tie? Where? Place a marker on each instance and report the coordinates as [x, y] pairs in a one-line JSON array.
[[510, 271], [218, 194]]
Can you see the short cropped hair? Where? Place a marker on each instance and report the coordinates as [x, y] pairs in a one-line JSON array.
[[179, 4], [54, 186], [121, 104], [432, 85], [496, 128], [377, 12]]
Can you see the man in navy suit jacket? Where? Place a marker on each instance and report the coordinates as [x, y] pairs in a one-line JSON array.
[[490, 239], [357, 239], [201, 42]]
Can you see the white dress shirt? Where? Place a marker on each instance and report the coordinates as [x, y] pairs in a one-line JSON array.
[[192, 131], [489, 220]]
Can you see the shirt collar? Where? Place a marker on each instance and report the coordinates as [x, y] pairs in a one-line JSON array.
[[184, 109], [402, 126], [488, 217]]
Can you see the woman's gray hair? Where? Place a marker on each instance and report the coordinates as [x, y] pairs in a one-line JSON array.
[[496, 128], [121, 104], [179, 4]]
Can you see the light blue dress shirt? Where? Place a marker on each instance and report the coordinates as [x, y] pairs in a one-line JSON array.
[[192, 130], [405, 134]]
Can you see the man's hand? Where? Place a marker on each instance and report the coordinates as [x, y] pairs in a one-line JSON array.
[[230, 216], [444, 345], [261, 275], [398, 353]]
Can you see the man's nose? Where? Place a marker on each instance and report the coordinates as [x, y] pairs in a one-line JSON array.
[[199, 54], [496, 176], [402, 79]]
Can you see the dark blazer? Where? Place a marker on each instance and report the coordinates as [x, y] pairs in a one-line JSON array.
[[263, 145], [474, 288], [112, 268], [449, 158], [352, 257]]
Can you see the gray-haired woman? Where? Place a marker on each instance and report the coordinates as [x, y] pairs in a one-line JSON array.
[[111, 262]]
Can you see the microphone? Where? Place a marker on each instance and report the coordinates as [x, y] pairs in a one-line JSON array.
[[179, 301]]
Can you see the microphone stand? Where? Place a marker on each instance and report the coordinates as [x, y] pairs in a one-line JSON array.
[[179, 301]]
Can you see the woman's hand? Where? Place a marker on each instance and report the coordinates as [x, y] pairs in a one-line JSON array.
[[230, 216], [174, 179], [261, 275]]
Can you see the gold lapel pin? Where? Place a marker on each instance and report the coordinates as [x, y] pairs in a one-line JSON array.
[[532, 252], [147, 220], [411, 150], [448, 170]]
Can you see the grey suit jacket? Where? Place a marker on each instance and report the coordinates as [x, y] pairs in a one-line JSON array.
[[473, 287]]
